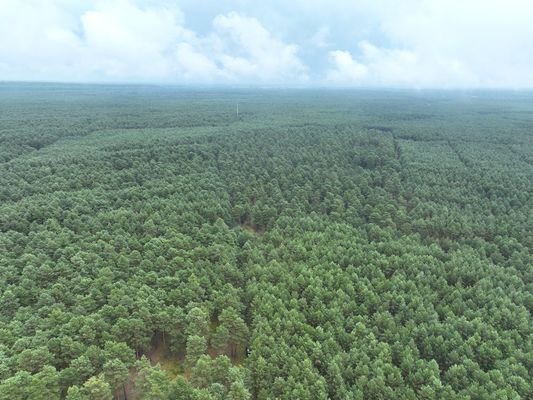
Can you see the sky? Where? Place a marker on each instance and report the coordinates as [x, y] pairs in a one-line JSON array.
[[281, 43]]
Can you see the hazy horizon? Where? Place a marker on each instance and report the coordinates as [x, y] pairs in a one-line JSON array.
[[280, 87]]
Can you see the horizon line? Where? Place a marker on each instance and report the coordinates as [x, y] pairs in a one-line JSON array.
[[266, 86]]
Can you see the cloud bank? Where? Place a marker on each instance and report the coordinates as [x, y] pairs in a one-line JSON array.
[[413, 43], [123, 41]]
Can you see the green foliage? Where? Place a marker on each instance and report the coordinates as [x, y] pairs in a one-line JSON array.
[[116, 374], [95, 388], [326, 245], [196, 347]]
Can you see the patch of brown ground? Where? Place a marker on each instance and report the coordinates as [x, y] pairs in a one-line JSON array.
[[251, 228]]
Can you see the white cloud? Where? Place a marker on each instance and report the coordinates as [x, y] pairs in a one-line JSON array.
[[121, 41], [35, 35], [192, 64], [471, 43], [385, 67], [251, 51], [449, 43], [412, 43], [346, 70]]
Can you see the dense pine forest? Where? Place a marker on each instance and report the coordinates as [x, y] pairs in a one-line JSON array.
[[155, 244]]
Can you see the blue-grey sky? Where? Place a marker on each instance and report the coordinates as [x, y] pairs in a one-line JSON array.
[[337, 43]]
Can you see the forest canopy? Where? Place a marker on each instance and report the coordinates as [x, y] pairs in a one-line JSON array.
[[318, 245]]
